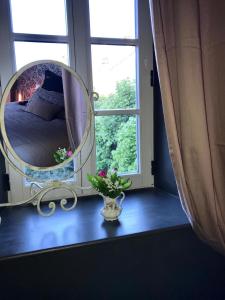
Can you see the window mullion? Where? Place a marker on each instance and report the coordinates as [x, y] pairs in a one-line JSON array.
[[70, 32], [6, 41], [113, 41], [116, 112], [40, 38]]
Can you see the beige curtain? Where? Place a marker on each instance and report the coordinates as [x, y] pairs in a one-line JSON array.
[[75, 109], [189, 39]]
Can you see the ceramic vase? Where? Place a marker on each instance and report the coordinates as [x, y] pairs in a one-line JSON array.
[[112, 207]]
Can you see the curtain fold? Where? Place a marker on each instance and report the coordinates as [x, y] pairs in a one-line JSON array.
[[189, 40], [75, 109]]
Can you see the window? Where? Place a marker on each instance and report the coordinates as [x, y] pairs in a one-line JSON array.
[[108, 42], [117, 68], [46, 37]]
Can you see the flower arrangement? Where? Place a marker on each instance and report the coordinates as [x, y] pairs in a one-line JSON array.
[[109, 184], [62, 154]]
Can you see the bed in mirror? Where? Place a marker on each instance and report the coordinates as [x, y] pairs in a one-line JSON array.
[[46, 120]]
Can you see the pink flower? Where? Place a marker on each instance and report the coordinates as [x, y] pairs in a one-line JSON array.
[[102, 173], [69, 153]]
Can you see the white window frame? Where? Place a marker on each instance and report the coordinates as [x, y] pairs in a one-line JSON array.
[[79, 41]]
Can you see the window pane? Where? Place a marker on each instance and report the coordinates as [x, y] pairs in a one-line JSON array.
[[116, 143], [112, 18], [27, 52], [39, 17], [114, 76], [57, 174]]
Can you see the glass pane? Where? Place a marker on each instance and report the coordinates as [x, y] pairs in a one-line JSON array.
[[27, 52], [39, 17], [114, 76], [116, 143], [112, 18], [57, 174]]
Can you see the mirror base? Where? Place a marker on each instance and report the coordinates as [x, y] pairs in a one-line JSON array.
[[38, 193]]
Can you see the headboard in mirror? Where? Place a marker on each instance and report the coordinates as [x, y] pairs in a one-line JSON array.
[[46, 120]]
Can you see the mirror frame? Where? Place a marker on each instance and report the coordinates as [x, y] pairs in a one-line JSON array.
[[5, 145]]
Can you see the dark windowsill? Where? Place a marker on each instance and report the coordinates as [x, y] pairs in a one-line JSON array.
[[23, 231]]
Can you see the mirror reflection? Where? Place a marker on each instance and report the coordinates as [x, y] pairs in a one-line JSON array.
[[45, 115]]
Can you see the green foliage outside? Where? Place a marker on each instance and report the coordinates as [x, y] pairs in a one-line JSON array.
[[116, 135], [124, 96]]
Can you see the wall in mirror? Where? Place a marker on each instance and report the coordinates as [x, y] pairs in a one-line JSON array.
[[45, 111]]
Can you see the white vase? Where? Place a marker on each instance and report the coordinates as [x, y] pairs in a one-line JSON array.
[[112, 207]]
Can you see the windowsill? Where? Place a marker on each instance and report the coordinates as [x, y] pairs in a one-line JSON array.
[[23, 231]]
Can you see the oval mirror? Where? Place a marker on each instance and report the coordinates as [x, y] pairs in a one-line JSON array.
[[45, 115]]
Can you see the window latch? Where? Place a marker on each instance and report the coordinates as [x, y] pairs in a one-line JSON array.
[[153, 167], [5, 182], [152, 78]]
